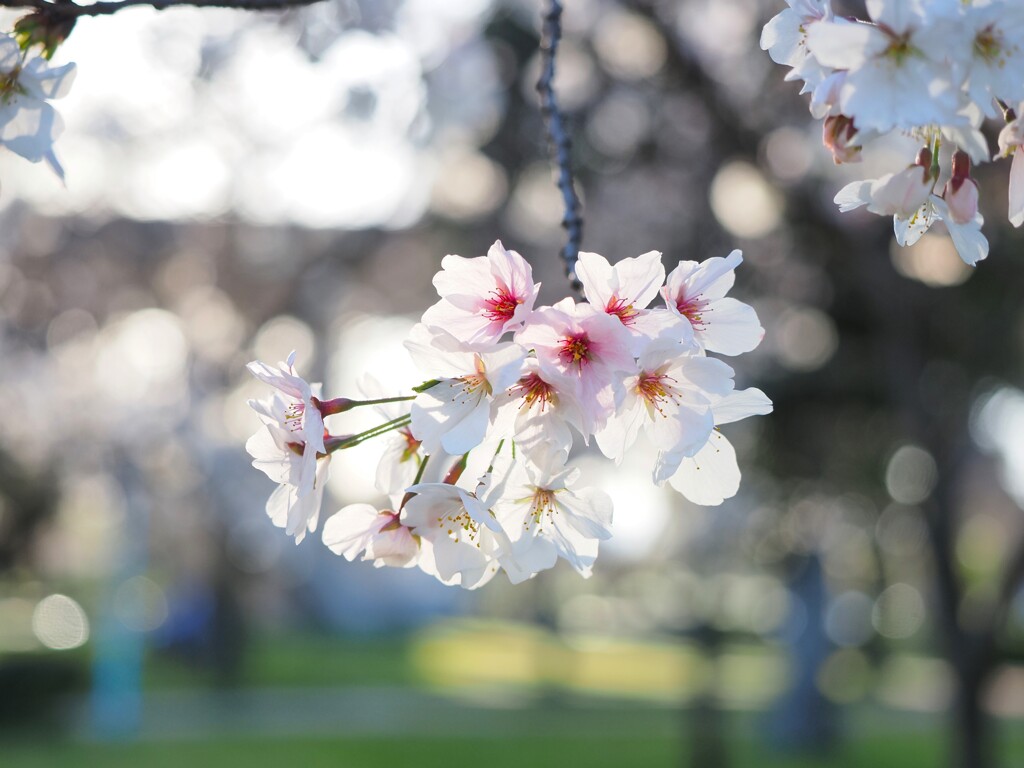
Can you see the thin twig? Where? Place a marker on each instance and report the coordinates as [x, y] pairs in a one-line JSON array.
[[560, 141], [72, 10]]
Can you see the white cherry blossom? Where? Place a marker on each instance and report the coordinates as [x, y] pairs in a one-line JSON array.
[[454, 413], [377, 535], [895, 194], [989, 50], [290, 447], [712, 475], [547, 517], [785, 39], [1011, 143], [897, 75], [401, 457], [29, 125], [466, 540]]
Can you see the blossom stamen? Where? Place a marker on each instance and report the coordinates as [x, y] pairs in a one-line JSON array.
[[656, 390], [625, 312], [541, 507], [693, 309], [575, 350], [533, 389], [501, 305]]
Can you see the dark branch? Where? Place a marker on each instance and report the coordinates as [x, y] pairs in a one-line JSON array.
[[560, 142], [65, 10]]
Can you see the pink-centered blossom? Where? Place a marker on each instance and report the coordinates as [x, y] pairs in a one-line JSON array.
[[625, 289], [483, 298], [669, 399], [696, 291], [584, 349], [537, 411]]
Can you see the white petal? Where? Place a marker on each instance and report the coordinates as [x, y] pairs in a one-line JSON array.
[[348, 531], [844, 46], [710, 477], [732, 327], [740, 404], [1016, 191]]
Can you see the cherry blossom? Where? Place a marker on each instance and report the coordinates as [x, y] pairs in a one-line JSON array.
[[378, 535], [785, 39], [625, 289], [465, 537], [669, 399], [454, 413], [895, 194], [29, 125], [897, 76], [546, 518], [290, 447], [484, 297], [401, 457], [712, 475], [537, 411], [1011, 142], [583, 348], [697, 292], [930, 69], [504, 416], [990, 52]]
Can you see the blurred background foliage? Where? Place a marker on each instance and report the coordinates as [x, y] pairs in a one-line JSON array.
[[242, 185]]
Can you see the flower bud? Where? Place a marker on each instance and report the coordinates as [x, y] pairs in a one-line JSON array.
[[337, 405], [961, 192], [961, 195], [924, 158], [838, 132]]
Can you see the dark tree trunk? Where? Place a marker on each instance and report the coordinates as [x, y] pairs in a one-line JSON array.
[[972, 748]]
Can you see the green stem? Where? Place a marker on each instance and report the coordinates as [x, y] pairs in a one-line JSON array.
[[419, 476], [379, 401], [337, 444]]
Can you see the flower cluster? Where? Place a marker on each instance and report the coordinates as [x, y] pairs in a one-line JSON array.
[[29, 125], [931, 69], [509, 386]]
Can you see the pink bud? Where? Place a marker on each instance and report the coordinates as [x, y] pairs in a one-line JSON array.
[[924, 158], [961, 195], [837, 135]]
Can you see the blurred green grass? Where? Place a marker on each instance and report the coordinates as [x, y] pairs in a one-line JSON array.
[[880, 751], [296, 660]]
